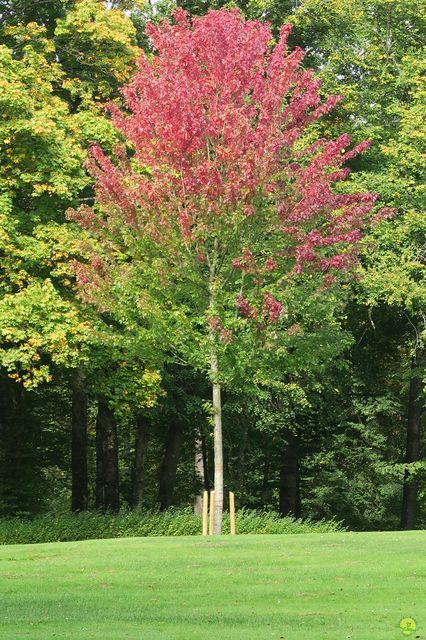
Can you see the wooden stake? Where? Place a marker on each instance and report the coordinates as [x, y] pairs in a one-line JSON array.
[[232, 512], [211, 528], [205, 511]]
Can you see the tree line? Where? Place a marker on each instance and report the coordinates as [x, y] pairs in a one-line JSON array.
[[109, 405]]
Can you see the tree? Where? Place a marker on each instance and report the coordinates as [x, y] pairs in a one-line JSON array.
[[373, 52], [225, 200], [96, 46], [22, 12], [45, 332], [394, 272], [347, 431], [394, 275]]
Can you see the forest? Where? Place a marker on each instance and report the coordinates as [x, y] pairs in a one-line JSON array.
[[146, 293]]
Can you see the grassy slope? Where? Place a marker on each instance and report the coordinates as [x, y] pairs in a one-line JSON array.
[[318, 587]]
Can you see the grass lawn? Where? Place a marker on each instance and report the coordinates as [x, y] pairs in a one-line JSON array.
[[314, 586]]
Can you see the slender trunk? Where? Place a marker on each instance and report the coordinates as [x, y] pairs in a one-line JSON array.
[[266, 492], [217, 402], [218, 445], [142, 434], [207, 483], [112, 495], [127, 466], [100, 474], [199, 471], [290, 478], [242, 452], [79, 443], [169, 466], [107, 476], [389, 38], [415, 410]]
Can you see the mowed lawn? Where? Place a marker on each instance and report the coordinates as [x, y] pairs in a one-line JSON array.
[[314, 587]]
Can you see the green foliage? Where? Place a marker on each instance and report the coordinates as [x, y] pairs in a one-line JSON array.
[[41, 159], [21, 11], [42, 145], [26, 333], [405, 150], [351, 481], [267, 522], [97, 49], [396, 272], [174, 522]]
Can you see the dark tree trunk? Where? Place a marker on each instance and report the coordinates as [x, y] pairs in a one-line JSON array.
[[169, 466], [100, 481], [79, 443], [141, 448], [8, 446], [242, 453], [412, 454], [289, 478], [22, 452], [107, 478], [266, 490]]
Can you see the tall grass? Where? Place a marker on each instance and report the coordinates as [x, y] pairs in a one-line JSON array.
[[174, 522]]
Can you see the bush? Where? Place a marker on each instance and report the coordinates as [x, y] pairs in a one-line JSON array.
[[257, 522], [174, 522]]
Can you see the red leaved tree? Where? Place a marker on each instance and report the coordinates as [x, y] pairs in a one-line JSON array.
[[219, 204]]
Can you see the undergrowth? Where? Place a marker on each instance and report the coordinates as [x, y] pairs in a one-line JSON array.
[[126, 524]]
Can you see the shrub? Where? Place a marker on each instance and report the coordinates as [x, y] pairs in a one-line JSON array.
[[174, 522]]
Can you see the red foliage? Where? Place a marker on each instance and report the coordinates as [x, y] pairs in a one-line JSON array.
[[272, 307], [244, 307], [213, 118]]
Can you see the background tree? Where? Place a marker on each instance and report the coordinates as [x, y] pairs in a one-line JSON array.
[[373, 53], [44, 331]]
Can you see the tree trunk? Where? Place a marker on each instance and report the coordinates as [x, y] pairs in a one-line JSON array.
[[100, 475], [242, 452], [79, 493], [169, 466], [290, 478], [216, 396], [207, 482], [266, 491], [142, 434], [22, 451], [199, 471], [415, 410], [107, 476], [218, 445]]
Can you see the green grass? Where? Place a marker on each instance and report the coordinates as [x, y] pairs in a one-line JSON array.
[[332, 586]]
